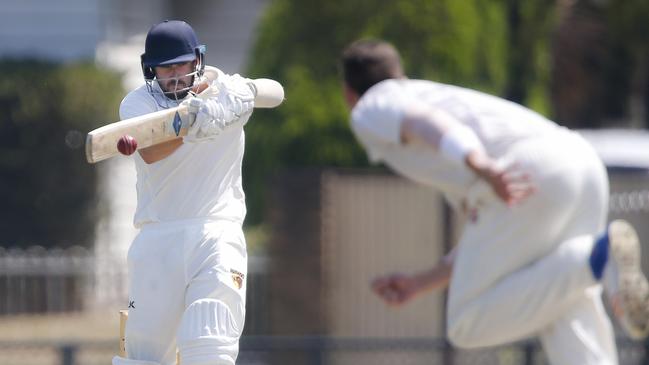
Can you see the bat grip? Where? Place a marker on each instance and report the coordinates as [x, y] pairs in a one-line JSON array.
[[193, 108]]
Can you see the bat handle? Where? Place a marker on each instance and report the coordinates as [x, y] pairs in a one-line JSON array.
[[193, 108]]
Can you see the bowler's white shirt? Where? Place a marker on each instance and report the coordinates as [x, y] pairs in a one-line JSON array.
[[498, 123], [198, 180]]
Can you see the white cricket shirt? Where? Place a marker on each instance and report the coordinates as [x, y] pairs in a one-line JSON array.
[[198, 180], [498, 123]]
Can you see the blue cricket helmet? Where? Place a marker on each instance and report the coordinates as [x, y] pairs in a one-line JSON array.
[[170, 42]]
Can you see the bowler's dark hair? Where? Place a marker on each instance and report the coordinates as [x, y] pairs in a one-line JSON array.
[[367, 62]]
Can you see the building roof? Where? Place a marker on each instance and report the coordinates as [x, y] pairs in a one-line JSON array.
[[620, 148]]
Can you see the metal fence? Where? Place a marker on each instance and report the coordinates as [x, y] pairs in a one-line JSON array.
[[37, 280], [315, 350], [45, 281]]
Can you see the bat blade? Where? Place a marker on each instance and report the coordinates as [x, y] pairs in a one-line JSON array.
[[166, 125], [123, 317], [148, 130]]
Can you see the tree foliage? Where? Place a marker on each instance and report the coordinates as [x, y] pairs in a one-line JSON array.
[[47, 189], [299, 43], [600, 64], [583, 63]]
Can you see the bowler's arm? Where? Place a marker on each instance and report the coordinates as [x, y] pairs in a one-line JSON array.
[[443, 133], [437, 277], [431, 126], [398, 289]]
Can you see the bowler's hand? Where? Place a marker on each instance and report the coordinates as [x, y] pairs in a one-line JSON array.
[[395, 289], [510, 184]]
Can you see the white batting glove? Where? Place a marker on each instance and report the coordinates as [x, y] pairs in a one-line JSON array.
[[231, 104]]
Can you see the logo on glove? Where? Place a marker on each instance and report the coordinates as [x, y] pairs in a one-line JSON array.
[[237, 278]]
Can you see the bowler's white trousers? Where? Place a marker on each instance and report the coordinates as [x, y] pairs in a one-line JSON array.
[[523, 271], [187, 291]]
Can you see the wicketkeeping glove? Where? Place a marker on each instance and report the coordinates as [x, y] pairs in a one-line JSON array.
[[231, 102]]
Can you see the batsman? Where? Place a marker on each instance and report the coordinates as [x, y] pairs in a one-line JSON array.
[[535, 252], [187, 266]]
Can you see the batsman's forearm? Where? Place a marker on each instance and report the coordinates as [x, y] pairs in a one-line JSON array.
[[160, 151], [268, 93]]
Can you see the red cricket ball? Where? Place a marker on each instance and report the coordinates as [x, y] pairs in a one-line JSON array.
[[126, 145]]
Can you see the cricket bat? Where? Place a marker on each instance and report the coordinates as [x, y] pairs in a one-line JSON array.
[[165, 125], [123, 317]]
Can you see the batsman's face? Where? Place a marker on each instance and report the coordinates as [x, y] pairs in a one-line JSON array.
[[175, 77]]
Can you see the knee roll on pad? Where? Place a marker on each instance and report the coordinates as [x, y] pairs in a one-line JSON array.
[[123, 361], [208, 334]]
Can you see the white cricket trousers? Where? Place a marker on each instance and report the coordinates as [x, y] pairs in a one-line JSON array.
[[523, 271], [187, 292]]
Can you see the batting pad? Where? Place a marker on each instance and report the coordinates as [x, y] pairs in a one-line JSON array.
[[122, 361], [208, 334]]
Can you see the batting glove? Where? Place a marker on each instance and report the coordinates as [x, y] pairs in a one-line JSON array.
[[231, 104]]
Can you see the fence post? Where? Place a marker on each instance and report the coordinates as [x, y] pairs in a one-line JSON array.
[[317, 350], [68, 353], [528, 349]]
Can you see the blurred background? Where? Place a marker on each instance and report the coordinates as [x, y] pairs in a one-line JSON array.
[[322, 222]]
